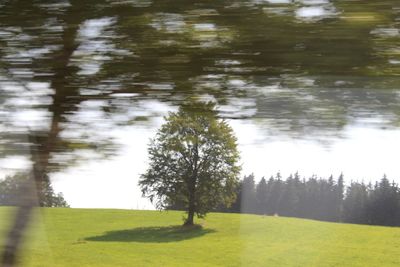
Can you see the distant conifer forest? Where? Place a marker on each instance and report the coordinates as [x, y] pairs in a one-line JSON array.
[[320, 199]]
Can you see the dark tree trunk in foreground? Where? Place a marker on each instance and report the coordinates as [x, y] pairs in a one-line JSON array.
[[23, 215], [42, 147], [15, 236], [26, 204]]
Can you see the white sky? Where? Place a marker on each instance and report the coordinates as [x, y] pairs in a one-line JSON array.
[[365, 153]]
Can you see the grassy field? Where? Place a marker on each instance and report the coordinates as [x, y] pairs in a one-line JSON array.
[[88, 237]]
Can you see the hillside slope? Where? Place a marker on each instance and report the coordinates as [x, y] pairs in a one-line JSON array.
[[89, 237]]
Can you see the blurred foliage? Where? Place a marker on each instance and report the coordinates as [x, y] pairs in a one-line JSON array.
[[72, 71]]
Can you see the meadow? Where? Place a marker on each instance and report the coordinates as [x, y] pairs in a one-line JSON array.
[[99, 237]]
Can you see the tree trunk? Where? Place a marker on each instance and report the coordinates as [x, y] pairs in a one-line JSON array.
[[15, 236], [26, 204], [42, 146], [192, 187], [23, 215], [192, 199], [189, 220]]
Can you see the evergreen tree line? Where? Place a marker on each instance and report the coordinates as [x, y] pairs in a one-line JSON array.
[[320, 199]]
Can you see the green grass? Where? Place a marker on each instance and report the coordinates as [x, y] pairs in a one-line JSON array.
[[88, 237]]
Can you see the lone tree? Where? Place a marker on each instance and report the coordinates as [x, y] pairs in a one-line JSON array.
[[193, 162]]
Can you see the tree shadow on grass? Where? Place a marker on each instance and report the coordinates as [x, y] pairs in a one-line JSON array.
[[153, 234]]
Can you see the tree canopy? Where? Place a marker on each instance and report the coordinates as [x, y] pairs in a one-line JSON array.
[[193, 161], [13, 188]]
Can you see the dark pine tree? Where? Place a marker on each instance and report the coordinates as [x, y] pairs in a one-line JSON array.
[[248, 197], [262, 196]]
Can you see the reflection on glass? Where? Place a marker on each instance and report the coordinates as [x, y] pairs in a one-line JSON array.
[[307, 85]]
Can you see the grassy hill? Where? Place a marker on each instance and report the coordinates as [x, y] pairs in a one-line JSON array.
[[89, 237]]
